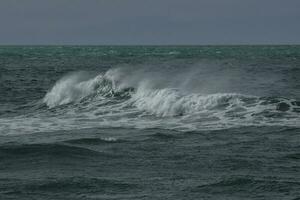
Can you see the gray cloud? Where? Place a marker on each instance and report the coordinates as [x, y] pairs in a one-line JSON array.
[[149, 22]]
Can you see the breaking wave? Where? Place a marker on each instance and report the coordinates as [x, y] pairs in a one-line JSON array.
[[162, 102], [141, 99]]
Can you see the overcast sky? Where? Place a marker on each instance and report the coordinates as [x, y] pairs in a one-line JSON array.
[[125, 22]]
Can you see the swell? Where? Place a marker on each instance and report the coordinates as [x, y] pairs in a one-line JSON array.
[[45, 151], [94, 141], [70, 185], [242, 184]]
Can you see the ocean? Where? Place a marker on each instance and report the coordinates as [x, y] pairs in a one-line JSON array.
[[150, 122]]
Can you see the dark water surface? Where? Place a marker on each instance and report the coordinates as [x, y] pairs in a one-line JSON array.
[[210, 122]]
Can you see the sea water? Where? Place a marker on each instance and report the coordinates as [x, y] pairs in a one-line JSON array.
[[149, 122]]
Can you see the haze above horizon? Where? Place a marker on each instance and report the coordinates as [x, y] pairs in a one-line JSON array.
[[136, 22]]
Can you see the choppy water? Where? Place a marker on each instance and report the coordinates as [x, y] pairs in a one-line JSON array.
[[88, 122]]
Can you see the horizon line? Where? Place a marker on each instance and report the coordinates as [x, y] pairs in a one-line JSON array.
[[254, 44]]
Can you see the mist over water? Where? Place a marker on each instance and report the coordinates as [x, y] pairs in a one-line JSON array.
[[216, 117]]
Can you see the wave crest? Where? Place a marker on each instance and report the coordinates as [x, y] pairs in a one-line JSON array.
[[76, 87]]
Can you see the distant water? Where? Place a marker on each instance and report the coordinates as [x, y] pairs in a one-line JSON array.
[[137, 122]]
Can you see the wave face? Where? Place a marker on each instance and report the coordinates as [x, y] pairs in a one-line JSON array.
[[140, 98], [74, 88]]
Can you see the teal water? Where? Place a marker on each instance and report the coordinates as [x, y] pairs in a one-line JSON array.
[[149, 122]]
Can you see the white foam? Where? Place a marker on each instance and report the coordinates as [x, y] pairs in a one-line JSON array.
[[170, 102]]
